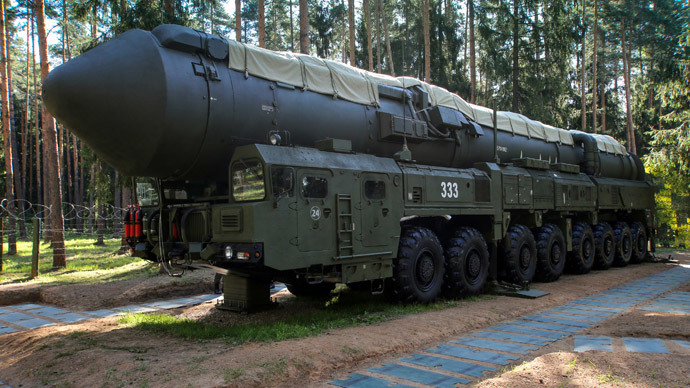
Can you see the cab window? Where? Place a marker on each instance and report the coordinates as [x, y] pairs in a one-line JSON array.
[[248, 181], [283, 181], [314, 187], [147, 193], [375, 190]]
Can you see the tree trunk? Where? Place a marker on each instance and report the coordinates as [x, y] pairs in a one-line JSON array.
[[50, 139], [292, 30], [40, 198], [516, 65], [388, 42], [304, 27], [583, 68], [473, 58], [25, 126], [465, 38], [367, 19], [378, 36], [117, 212], [594, 68], [351, 20], [427, 44], [632, 146], [9, 178], [342, 32], [262, 28], [238, 20]]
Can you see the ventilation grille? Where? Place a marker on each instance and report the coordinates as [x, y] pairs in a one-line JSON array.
[[417, 195], [195, 227], [230, 221]]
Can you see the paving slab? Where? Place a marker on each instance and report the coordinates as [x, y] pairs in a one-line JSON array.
[[530, 331], [208, 297], [547, 326], [682, 343], [34, 323], [665, 309], [419, 375], [7, 330], [494, 345], [27, 306], [580, 317], [644, 345], [15, 317], [48, 311], [456, 366], [104, 313], [585, 343], [473, 354], [71, 318], [560, 321], [163, 305], [622, 306], [583, 312], [135, 309], [521, 339], [358, 380], [593, 308]]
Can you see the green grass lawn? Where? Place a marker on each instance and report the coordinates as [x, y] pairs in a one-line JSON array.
[[86, 263], [345, 309]]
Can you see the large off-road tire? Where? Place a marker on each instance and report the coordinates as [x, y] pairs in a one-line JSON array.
[[551, 251], [519, 254], [639, 242], [581, 258], [623, 244], [605, 243], [418, 269], [466, 263], [300, 287]]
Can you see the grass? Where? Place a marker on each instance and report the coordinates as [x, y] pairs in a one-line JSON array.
[[345, 309], [86, 263]]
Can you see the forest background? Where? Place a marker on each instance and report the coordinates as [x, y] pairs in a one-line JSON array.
[[620, 68]]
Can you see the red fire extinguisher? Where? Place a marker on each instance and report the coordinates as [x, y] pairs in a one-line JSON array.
[[138, 223], [128, 222]]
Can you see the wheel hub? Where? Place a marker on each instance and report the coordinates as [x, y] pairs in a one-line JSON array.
[[608, 247], [587, 248], [525, 257], [425, 269], [474, 264], [625, 245], [556, 253]]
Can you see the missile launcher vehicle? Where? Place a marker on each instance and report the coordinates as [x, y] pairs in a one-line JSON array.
[[278, 166]]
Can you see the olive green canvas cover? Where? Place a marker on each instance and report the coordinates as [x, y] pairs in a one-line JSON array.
[[359, 86]]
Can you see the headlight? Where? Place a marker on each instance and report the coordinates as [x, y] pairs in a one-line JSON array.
[[228, 252], [275, 139]]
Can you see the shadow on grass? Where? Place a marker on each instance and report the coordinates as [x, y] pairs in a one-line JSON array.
[[344, 309]]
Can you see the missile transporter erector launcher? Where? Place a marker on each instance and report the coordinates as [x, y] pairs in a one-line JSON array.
[[276, 166]]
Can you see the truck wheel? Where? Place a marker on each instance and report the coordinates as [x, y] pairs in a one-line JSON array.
[[623, 244], [418, 270], [466, 264], [520, 254], [581, 258], [639, 242], [550, 253], [300, 287], [605, 243]]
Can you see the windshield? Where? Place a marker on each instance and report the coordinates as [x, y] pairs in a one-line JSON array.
[[147, 195], [248, 181]]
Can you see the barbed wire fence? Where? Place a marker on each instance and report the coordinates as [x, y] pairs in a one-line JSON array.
[[79, 220]]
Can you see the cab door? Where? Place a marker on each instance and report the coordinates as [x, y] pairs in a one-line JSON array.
[[375, 207], [315, 208]]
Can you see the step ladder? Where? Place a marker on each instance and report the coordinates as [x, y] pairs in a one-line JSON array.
[[346, 226]]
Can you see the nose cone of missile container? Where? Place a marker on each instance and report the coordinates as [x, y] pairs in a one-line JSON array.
[[113, 98]]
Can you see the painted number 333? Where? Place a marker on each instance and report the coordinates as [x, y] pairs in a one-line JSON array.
[[449, 190]]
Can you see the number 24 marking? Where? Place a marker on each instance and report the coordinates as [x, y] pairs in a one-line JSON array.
[[449, 190]]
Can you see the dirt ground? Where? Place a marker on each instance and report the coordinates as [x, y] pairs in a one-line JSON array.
[[104, 353]]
